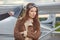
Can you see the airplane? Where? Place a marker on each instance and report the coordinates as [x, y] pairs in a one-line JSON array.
[[7, 25]]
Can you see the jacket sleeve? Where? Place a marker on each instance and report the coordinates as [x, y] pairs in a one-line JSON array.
[[35, 35], [17, 34]]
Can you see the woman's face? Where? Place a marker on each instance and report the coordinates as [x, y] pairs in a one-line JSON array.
[[32, 12]]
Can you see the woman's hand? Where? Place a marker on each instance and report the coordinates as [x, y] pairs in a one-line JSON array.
[[21, 32], [25, 33]]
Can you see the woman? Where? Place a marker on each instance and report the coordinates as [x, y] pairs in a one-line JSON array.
[[28, 27]]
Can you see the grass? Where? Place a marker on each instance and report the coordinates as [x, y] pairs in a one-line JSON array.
[[56, 25]]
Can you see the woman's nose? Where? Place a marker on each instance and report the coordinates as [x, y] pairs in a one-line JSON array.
[[34, 13]]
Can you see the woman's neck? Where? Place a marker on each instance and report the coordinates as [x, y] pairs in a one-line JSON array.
[[30, 19]]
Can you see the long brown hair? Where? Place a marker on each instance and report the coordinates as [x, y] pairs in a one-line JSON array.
[[36, 23]]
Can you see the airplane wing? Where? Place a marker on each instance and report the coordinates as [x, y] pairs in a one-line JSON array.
[[7, 25], [45, 8]]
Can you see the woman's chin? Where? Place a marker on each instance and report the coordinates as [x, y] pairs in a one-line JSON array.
[[33, 17]]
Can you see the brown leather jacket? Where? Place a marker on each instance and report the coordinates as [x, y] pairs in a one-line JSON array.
[[19, 28]]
